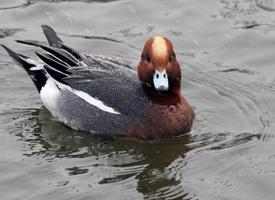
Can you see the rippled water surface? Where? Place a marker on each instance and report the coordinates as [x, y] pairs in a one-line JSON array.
[[227, 53]]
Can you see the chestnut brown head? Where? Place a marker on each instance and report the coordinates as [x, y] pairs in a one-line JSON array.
[[158, 67]]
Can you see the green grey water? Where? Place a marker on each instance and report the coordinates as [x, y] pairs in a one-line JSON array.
[[227, 53]]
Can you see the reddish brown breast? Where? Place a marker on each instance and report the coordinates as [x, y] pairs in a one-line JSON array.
[[164, 121]]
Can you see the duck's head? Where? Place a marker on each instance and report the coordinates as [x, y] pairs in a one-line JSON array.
[[158, 68]]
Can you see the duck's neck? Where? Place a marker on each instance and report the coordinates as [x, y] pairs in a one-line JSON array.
[[170, 97]]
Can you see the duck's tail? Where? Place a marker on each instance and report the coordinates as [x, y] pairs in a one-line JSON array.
[[51, 36], [57, 58], [34, 69]]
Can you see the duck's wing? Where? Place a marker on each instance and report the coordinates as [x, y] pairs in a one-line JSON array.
[[108, 79], [87, 92], [116, 87], [111, 81]]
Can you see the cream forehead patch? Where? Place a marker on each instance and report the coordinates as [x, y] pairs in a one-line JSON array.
[[159, 48]]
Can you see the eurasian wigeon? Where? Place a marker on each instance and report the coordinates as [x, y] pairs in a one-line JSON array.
[[104, 95]]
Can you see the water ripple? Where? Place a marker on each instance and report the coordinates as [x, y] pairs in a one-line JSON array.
[[20, 4], [228, 53], [6, 32]]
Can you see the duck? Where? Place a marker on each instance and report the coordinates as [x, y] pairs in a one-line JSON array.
[[109, 96]]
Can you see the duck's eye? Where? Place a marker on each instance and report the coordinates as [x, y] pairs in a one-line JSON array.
[[147, 58], [173, 56]]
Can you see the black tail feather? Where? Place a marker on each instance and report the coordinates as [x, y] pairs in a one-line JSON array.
[[51, 36], [55, 74], [51, 57], [61, 54], [52, 61], [29, 42], [17, 58], [55, 41], [72, 51], [58, 59], [66, 54], [39, 77], [56, 47]]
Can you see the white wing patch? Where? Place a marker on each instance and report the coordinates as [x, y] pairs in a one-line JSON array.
[[95, 102], [50, 93], [88, 98]]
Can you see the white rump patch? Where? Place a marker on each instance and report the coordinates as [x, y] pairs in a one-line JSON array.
[[49, 94]]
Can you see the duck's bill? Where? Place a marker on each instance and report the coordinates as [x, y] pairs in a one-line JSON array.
[[160, 81]]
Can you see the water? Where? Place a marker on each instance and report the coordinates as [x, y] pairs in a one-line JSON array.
[[226, 50]]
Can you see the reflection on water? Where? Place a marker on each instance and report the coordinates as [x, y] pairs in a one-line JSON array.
[[111, 160], [226, 50], [157, 167]]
